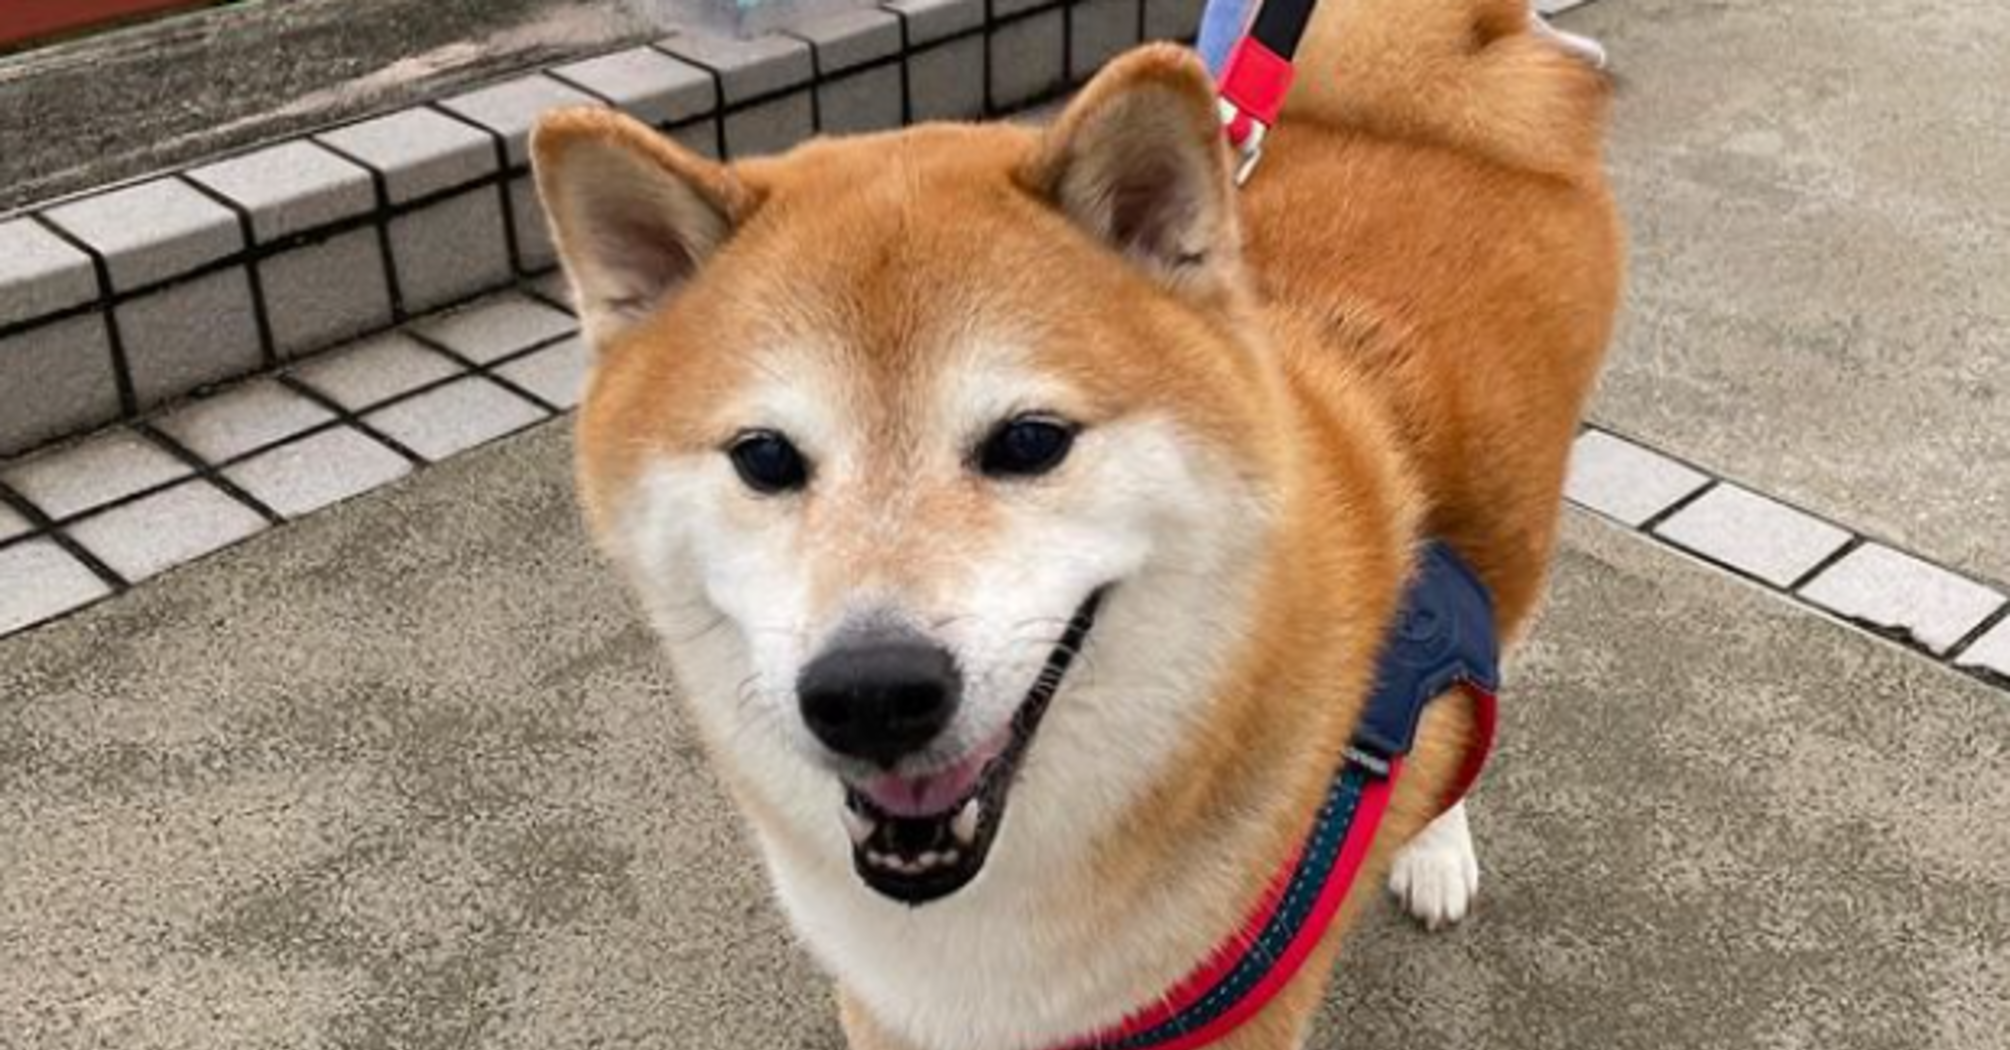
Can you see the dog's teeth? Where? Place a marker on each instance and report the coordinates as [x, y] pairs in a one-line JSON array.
[[859, 826], [951, 856], [964, 827], [928, 860]]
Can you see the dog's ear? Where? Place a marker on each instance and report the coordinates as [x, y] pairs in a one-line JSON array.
[[633, 214], [1138, 161]]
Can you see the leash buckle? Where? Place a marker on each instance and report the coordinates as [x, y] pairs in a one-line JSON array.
[[1245, 137]]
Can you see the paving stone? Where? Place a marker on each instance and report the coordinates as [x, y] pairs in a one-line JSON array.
[[1624, 481], [850, 39], [454, 418], [511, 109], [1877, 585], [1008, 8], [103, 468], [40, 273], [946, 82], [932, 20], [55, 379], [1990, 653], [44, 581], [244, 418], [555, 290], [857, 103], [418, 152], [450, 251], [372, 372], [1173, 19], [771, 127], [291, 188], [1557, 7], [13, 523], [747, 69], [152, 231], [1102, 30], [1753, 534], [190, 335], [496, 328], [322, 294], [154, 534], [646, 84], [557, 374], [303, 476], [535, 252], [1028, 60], [700, 137]]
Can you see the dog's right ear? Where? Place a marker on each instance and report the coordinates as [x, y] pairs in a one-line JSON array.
[[633, 214]]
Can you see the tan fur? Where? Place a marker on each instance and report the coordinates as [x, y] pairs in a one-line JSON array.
[[1396, 340]]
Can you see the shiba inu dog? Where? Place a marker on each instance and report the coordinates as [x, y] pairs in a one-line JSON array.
[[1023, 509]]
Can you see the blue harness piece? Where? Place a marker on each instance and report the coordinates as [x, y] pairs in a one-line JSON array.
[[1443, 638]]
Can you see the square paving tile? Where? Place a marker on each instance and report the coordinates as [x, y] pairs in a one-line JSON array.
[[1624, 481], [190, 335], [44, 581], [771, 127], [303, 476], [557, 374], [40, 273], [1102, 30], [451, 250], [1029, 59], [55, 379], [1173, 19], [13, 523], [318, 295], [103, 468], [365, 375], [856, 103], [455, 418], [646, 84], [699, 136], [932, 20], [555, 290], [1890, 589], [1753, 534], [946, 82], [748, 68], [418, 151], [252, 416], [290, 188], [152, 535], [1990, 653], [496, 328], [535, 252], [511, 109], [850, 38], [152, 231]]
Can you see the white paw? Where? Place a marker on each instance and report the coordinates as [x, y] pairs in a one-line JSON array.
[[1585, 49], [1437, 874]]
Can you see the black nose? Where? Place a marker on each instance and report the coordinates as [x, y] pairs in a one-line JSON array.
[[880, 698]]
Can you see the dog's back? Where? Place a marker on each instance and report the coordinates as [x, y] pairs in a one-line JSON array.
[[1434, 204]]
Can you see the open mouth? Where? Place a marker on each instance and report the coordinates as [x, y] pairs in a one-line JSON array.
[[919, 839]]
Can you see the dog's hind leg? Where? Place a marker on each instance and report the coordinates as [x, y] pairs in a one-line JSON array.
[[1437, 873]]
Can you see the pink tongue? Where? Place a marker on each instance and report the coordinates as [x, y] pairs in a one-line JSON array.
[[932, 795]]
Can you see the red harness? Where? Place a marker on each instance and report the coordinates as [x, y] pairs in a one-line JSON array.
[[1444, 639]]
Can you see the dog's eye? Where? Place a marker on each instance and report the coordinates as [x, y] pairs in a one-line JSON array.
[[768, 463], [1025, 447]]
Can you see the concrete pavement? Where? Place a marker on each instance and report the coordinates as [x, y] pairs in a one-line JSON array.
[[409, 774]]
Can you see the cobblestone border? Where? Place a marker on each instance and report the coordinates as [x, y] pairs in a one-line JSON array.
[[1838, 571], [117, 303]]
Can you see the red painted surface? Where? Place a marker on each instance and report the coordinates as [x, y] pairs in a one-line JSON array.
[[25, 20]]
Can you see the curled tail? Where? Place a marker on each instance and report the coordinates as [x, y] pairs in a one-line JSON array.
[[1469, 74]]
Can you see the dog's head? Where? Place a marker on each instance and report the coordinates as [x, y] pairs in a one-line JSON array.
[[887, 430]]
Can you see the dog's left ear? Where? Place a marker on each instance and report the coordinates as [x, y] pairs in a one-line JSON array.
[[1138, 161]]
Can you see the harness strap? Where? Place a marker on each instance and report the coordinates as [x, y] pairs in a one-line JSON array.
[[1443, 639]]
